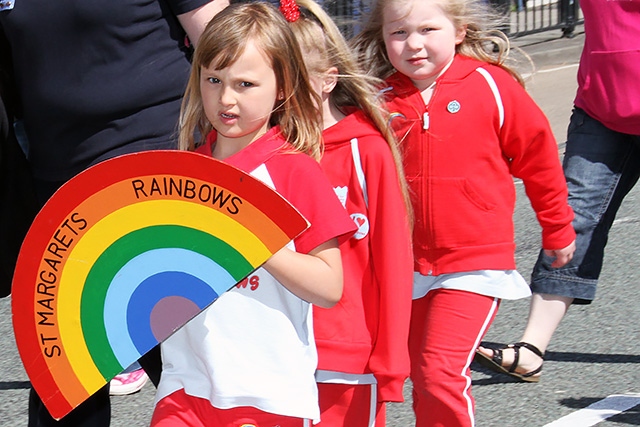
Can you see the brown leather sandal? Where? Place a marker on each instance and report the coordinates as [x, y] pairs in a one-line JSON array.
[[495, 361]]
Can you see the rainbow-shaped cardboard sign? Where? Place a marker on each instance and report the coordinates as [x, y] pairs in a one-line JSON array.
[[127, 252]]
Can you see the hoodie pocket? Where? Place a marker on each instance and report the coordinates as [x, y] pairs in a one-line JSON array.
[[463, 213]]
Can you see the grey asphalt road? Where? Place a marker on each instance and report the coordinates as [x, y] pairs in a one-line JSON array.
[[593, 355]]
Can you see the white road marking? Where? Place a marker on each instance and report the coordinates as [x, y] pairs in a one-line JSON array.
[[549, 70], [598, 411]]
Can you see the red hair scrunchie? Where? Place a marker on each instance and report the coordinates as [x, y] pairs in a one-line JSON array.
[[290, 10]]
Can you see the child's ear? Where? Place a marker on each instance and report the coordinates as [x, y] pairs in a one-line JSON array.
[[461, 33], [330, 80], [280, 95]]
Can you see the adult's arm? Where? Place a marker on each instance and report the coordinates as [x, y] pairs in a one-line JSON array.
[[194, 21]]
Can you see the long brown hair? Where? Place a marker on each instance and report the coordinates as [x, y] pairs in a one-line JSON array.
[[324, 47], [220, 45]]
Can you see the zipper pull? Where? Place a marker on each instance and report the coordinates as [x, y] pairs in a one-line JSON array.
[[425, 120]]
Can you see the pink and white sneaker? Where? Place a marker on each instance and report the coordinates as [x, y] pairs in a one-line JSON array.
[[128, 383]]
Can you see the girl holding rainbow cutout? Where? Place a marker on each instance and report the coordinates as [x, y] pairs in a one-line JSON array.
[[249, 359]]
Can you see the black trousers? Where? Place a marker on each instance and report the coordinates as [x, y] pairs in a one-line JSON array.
[[96, 410]]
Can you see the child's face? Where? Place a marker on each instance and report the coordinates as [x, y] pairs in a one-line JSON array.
[[420, 39], [239, 99]]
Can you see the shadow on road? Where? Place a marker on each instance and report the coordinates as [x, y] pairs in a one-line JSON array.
[[569, 356], [555, 356], [628, 417], [15, 385]]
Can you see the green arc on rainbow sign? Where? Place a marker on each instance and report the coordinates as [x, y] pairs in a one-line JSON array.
[[128, 251]]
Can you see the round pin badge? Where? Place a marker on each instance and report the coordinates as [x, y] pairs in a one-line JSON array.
[[362, 222], [453, 107]]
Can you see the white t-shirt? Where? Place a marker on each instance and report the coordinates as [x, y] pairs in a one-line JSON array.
[[229, 354]]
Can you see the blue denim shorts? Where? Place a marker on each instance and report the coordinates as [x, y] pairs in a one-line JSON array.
[[601, 166]]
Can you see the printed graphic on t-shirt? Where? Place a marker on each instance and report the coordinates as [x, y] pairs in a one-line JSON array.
[[252, 283]]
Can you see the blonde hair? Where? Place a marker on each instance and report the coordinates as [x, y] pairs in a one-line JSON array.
[[354, 88], [222, 43], [483, 40]]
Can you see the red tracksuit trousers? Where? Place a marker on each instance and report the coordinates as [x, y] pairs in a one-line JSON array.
[[446, 328]]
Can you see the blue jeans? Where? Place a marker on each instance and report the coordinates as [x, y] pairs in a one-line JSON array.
[[601, 166]]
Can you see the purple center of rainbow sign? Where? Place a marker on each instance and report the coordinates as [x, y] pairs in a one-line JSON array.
[[128, 251]]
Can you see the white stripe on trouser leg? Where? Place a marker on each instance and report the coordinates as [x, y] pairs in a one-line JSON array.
[[483, 330], [360, 380], [374, 405]]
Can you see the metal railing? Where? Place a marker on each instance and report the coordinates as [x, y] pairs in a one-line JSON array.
[[522, 16], [535, 16]]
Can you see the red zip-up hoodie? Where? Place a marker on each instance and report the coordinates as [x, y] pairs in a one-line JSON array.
[[367, 331], [461, 152]]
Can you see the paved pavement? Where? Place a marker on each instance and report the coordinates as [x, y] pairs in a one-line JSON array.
[[549, 64], [594, 354]]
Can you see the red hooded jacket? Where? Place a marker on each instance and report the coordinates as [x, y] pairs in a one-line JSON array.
[[461, 152], [367, 331]]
